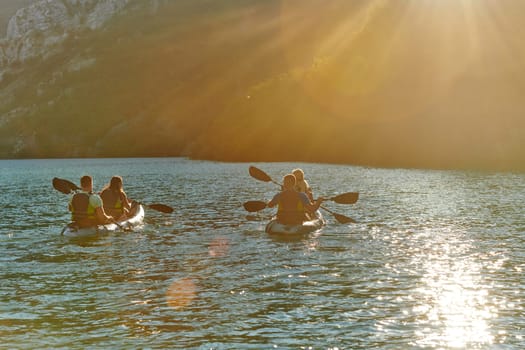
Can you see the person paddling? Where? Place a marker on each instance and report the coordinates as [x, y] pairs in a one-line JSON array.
[[86, 207], [293, 206], [115, 201], [301, 185]]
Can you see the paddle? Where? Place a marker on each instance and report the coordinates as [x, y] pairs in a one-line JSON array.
[[261, 175], [341, 218], [163, 208], [253, 206], [64, 186], [67, 187], [345, 198]]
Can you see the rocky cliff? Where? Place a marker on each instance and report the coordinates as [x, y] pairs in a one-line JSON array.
[[37, 30]]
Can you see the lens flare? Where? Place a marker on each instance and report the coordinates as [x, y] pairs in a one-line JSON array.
[[181, 293], [219, 247]]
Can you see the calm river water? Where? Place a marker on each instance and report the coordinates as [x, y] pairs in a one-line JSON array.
[[436, 261]]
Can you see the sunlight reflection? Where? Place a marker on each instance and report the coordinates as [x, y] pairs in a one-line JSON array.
[[181, 293], [454, 309]]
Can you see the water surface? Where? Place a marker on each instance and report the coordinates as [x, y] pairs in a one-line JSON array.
[[435, 262]]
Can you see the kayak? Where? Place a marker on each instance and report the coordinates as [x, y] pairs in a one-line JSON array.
[[310, 226], [137, 217]]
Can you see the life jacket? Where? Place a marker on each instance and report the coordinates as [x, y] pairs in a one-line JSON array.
[[290, 210], [82, 212], [112, 203]]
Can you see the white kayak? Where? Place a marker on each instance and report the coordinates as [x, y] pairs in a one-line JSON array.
[[137, 218], [310, 226]]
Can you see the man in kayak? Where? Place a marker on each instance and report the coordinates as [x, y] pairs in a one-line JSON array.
[[293, 206], [114, 198], [86, 207]]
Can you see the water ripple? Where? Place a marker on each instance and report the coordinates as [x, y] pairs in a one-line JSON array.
[[436, 261]]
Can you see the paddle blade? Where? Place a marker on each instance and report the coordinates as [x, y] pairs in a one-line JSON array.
[[253, 206], [343, 219], [259, 174], [161, 207], [64, 186], [346, 198]]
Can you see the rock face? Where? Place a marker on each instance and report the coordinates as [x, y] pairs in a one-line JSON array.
[[39, 28], [35, 58]]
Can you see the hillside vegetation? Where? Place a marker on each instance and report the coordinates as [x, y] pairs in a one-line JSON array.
[[385, 83]]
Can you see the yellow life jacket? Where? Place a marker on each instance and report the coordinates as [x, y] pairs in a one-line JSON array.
[[290, 208], [112, 203], [82, 212]]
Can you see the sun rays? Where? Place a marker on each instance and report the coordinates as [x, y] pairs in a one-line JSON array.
[[395, 82]]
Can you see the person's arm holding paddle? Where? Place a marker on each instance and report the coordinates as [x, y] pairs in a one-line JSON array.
[[102, 217], [126, 204], [274, 201], [311, 207]]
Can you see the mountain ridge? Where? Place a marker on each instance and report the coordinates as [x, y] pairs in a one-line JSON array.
[[367, 82]]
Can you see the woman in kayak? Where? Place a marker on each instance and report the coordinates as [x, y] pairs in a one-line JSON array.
[[86, 207], [301, 185], [293, 206], [115, 201]]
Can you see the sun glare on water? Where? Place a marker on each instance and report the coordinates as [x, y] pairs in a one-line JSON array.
[[453, 306]]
